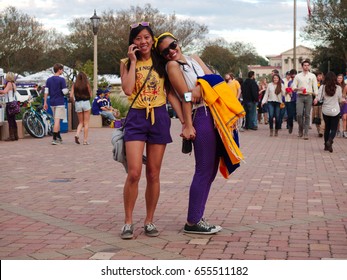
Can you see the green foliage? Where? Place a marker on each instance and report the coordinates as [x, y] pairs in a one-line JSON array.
[[327, 28], [230, 57], [120, 103], [22, 40], [219, 58], [102, 83], [43, 47], [88, 68]]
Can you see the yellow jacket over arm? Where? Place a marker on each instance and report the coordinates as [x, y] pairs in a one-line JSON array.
[[226, 110]]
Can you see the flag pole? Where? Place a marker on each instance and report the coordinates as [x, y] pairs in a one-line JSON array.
[[294, 39]]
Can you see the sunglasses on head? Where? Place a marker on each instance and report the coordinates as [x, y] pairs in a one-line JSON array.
[[172, 46], [137, 24]]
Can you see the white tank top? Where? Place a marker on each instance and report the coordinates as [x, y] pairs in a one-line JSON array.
[[11, 96], [191, 71]]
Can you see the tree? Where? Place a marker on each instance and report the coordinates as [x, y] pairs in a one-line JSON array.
[[219, 57], [55, 50], [230, 57], [327, 28], [114, 31], [22, 41]]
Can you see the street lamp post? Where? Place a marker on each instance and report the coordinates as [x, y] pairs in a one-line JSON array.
[[95, 22]]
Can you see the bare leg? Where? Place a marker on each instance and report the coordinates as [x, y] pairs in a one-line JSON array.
[[155, 153], [134, 158], [80, 123], [86, 117]]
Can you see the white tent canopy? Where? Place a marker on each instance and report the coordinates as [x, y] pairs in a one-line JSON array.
[[41, 77]]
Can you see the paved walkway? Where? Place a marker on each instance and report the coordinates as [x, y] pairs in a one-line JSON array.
[[288, 201]]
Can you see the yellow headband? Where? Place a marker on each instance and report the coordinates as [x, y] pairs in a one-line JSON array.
[[156, 39]]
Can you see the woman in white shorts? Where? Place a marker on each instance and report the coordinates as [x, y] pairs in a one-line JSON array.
[[81, 94]]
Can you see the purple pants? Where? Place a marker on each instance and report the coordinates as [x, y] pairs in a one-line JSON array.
[[206, 164]]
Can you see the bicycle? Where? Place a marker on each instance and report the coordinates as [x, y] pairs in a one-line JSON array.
[[37, 121]]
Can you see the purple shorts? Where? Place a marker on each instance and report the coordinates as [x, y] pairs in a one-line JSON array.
[[138, 128], [344, 109]]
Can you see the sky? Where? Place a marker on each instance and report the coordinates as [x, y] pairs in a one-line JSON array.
[[267, 25]]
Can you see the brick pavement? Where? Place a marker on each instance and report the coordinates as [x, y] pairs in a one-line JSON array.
[[287, 201]]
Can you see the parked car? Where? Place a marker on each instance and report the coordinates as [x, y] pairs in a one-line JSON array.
[[24, 93]]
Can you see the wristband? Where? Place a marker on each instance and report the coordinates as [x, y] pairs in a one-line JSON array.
[[188, 97]]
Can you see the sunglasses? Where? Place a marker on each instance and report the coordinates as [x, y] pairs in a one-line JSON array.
[[172, 46], [144, 23]]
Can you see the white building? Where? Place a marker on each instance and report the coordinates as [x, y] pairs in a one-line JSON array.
[[283, 62]]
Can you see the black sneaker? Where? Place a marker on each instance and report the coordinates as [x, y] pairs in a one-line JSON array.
[[200, 228], [127, 231], [151, 230]]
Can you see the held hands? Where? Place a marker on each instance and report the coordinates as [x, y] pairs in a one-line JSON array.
[[188, 132]]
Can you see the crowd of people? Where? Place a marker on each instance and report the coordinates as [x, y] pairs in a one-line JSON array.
[[156, 71], [304, 98]]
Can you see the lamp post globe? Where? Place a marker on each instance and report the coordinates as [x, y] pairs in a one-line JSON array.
[[95, 24]]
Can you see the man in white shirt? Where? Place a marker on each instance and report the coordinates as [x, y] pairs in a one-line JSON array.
[[305, 84]]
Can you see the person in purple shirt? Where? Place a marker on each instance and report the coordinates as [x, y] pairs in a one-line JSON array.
[[56, 89], [98, 102]]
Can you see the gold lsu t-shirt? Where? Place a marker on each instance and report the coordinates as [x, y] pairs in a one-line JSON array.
[[153, 94]]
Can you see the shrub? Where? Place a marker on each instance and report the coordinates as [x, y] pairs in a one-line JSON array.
[[120, 103]]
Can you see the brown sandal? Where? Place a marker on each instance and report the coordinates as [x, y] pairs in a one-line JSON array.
[[77, 140]]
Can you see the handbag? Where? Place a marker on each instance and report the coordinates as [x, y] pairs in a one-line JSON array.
[[317, 120], [13, 107], [117, 138]]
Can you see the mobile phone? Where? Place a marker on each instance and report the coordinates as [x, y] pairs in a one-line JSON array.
[[188, 97]]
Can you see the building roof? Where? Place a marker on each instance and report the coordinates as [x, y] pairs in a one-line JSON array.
[[297, 47]]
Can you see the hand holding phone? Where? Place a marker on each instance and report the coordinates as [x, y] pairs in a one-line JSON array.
[[135, 48]]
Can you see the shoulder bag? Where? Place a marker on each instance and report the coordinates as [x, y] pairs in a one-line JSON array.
[[117, 139], [13, 107]]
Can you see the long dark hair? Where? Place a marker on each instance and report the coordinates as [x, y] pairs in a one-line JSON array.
[[163, 60], [279, 84], [330, 82], [158, 67], [81, 89]]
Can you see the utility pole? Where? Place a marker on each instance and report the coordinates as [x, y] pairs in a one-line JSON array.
[[294, 41]]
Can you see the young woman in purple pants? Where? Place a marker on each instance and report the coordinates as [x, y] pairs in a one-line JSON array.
[[198, 126]]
